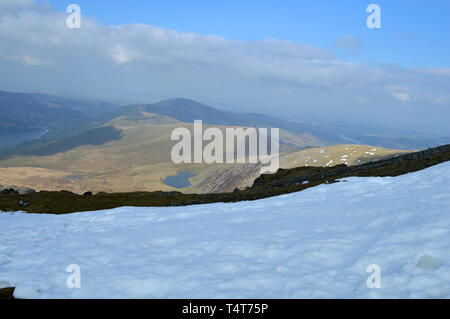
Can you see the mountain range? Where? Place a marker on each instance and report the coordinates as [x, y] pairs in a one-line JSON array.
[[92, 145], [70, 116]]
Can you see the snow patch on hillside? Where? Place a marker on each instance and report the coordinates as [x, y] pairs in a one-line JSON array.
[[313, 244]]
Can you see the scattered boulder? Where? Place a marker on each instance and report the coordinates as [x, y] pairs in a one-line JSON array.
[[9, 191], [24, 190], [176, 204], [23, 203], [16, 190], [87, 194]]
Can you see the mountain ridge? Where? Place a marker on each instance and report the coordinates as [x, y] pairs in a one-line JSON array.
[[68, 116], [285, 181], [22, 111]]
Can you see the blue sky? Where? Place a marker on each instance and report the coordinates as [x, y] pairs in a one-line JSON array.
[[413, 33], [303, 61]]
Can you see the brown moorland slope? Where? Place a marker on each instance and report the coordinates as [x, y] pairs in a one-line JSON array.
[[283, 182]]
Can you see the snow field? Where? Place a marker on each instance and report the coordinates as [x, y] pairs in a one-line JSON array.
[[313, 244]]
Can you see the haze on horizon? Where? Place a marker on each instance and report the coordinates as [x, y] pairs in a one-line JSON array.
[[299, 62]]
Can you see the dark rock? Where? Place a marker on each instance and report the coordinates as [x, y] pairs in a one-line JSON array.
[[87, 194], [23, 203], [9, 191], [7, 293], [16, 190], [393, 166], [176, 204], [24, 190]]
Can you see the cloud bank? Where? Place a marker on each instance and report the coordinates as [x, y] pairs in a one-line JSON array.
[[144, 63]]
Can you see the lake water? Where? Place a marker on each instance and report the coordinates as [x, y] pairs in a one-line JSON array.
[[10, 139], [180, 180], [76, 177]]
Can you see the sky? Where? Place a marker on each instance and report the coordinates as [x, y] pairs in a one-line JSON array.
[[298, 60], [408, 26]]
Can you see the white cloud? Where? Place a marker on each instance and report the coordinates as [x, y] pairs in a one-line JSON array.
[[120, 54], [150, 63], [14, 4], [404, 97], [348, 44]]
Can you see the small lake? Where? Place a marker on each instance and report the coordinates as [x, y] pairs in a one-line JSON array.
[[75, 177], [180, 180], [15, 138]]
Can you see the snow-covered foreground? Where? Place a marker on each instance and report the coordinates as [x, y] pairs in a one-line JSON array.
[[316, 243]]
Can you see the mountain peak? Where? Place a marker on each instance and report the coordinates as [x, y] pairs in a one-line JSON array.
[[179, 102]]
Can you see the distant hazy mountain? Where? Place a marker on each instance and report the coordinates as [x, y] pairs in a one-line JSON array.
[[69, 116], [22, 111], [186, 110], [90, 108], [128, 148]]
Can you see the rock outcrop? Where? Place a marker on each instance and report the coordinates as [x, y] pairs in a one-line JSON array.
[[16, 190]]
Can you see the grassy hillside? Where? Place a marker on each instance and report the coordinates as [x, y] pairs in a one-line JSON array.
[[137, 160], [89, 107], [128, 149], [241, 176], [140, 160], [349, 154], [96, 136], [69, 116], [130, 153], [283, 182], [22, 111]]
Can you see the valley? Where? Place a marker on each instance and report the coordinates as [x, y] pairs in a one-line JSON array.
[[285, 181], [127, 149], [19, 137], [140, 161], [222, 151]]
